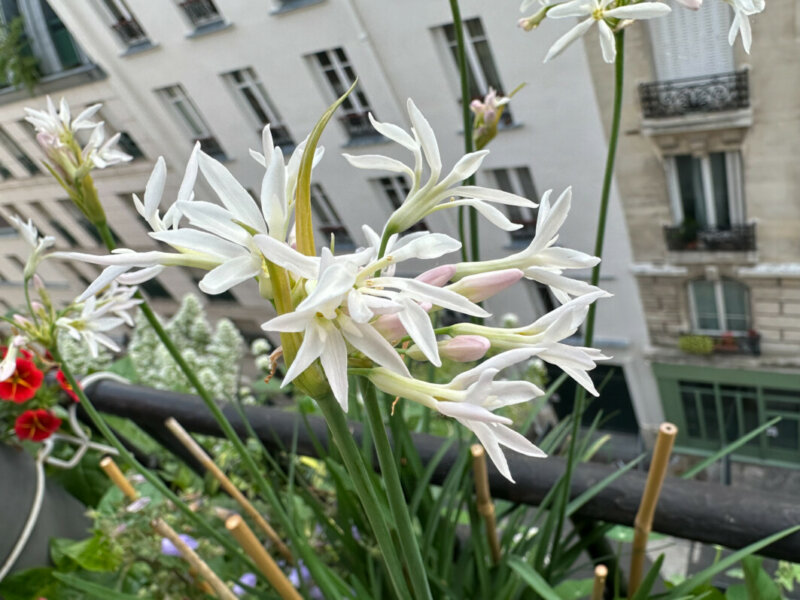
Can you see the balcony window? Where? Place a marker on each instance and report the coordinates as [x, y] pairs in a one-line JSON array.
[[520, 182], [328, 218], [46, 39], [338, 75], [395, 190], [481, 68], [719, 306], [201, 13], [706, 196], [124, 24], [254, 101], [190, 119]]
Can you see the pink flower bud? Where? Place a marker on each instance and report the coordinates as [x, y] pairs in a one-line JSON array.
[[390, 327], [465, 348], [21, 321], [481, 286], [38, 284], [437, 276]]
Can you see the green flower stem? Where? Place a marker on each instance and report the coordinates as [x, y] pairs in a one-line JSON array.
[[366, 492], [608, 177], [298, 542], [394, 491], [128, 457], [468, 146]]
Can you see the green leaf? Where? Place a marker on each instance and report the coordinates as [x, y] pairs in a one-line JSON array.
[[24, 585], [597, 487], [574, 589], [93, 590], [647, 583], [86, 481], [533, 579], [94, 554], [706, 574], [303, 218], [760, 585]]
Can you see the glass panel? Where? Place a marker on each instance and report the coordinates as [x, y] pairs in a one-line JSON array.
[[719, 181], [690, 181], [526, 181], [751, 420], [737, 313], [708, 406], [705, 305], [730, 417], [690, 414], [503, 180], [783, 435]]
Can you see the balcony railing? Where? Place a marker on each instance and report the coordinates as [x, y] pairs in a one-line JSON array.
[[710, 93], [721, 343], [737, 238], [130, 32], [201, 12]]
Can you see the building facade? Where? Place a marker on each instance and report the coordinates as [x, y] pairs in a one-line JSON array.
[[711, 195], [174, 72]]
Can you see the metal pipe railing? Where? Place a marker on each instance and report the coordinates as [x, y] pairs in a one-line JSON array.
[[692, 510]]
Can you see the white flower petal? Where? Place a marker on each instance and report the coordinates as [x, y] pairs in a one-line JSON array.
[[466, 166], [488, 439], [424, 292], [273, 197], [490, 195], [427, 139], [189, 176], [312, 347], [231, 193], [198, 241], [334, 363], [364, 338], [379, 163], [516, 442], [418, 325], [394, 133], [287, 257], [427, 246], [228, 274], [575, 8], [565, 40], [643, 10], [214, 219], [154, 189], [607, 43]]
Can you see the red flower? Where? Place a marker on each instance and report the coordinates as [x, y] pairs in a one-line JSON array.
[[22, 351], [62, 381], [23, 383], [36, 425]]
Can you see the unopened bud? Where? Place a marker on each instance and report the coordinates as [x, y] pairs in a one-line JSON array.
[[481, 286], [437, 276], [534, 21], [461, 348]]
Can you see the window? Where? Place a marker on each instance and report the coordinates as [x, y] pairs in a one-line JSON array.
[[328, 218], [481, 68], [125, 143], [252, 97], [47, 38], [339, 75], [520, 182], [720, 306], [4, 172], [396, 189], [201, 13], [190, 119], [706, 190], [14, 149], [124, 24]]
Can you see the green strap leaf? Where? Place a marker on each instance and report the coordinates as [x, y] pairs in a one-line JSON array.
[[533, 579]]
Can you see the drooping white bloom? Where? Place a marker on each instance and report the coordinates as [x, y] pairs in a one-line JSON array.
[[597, 11], [542, 261], [742, 9], [433, 195], [38, 244], [471, 398]]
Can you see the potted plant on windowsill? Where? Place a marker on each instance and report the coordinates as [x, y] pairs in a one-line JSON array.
[[727, 342], [753, 342], [696, 344]]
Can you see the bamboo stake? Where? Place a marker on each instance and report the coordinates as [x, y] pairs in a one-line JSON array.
[[484, 499], [114, 474], [250, 543], [192, 446], [600, 574], [194, 560], [644, 517]]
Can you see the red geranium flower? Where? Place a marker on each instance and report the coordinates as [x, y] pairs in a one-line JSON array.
[[62, 381], [36, 425], [23, 383]]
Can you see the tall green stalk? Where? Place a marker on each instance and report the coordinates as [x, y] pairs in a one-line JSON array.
[[608, 177], [394, 492], [466, 114], [298, 542]]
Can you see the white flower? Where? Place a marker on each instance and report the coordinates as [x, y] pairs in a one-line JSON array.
[[104, 154], [598, 11], [9, 363], [93, 321], [54, 124], [470, 398], [541, 261], [30, 234], [433, 195], [742, 9]]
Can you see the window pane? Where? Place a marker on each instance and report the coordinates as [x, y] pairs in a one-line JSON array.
[[526, 181], [709, 408], [737, 313], [690, 181], [705, 305], [785, 435], [719, 181], [690, 414]]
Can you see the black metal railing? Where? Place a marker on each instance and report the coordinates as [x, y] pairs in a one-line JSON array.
[[721, 343], [710, 93], [130, 32], [736, 238], [705, 512], [201, 12]]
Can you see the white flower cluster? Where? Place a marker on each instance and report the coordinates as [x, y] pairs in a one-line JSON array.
[[610, 15], [352, 312]]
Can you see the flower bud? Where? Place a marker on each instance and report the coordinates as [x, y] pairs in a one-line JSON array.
[[481, 286], [461, 348], [535, 20], [437, 276]]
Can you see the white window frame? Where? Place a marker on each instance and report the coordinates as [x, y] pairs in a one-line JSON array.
[[251, 82], [175, 95], [733, 175], [722, 315], [338, 66]]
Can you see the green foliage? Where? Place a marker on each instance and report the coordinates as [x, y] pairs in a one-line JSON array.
[[696, 344], [18, 66]]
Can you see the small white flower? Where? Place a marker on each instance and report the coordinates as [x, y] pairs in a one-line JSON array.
[[434, 195], [742, 9], [597, 11], [93, 321], [39, 245], [470, 398]]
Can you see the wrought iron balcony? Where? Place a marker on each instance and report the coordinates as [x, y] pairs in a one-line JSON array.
[[201, 12], [130, 32], [710, 93], [685, 237], [721, 343]]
